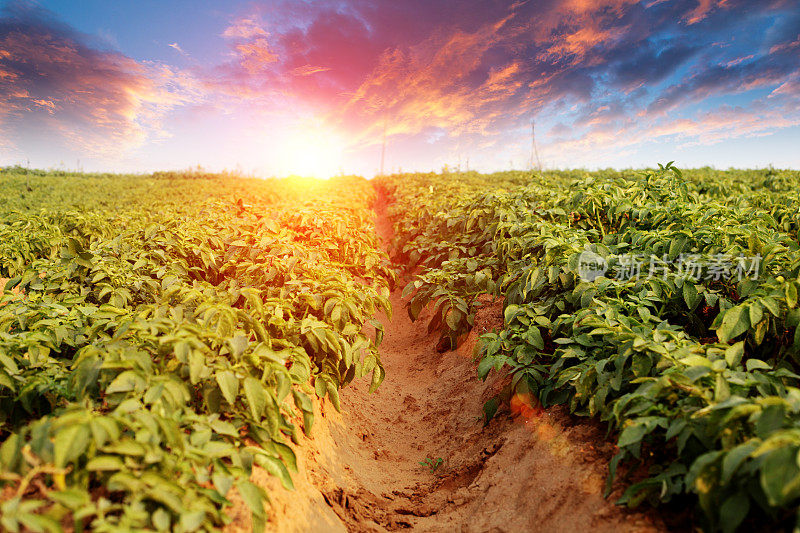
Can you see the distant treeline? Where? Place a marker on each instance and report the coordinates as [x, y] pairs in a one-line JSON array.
[[768, 177], [192, 173]]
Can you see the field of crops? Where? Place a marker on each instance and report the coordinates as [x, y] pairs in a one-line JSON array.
[[160, 336], [163, 336], [687, 346]]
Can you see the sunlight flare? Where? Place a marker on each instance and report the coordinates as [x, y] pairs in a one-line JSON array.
[[311, 150]]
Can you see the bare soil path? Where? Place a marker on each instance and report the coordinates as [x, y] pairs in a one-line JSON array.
[[533, 471]]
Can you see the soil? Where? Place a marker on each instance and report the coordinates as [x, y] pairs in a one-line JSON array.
[[527, 470]]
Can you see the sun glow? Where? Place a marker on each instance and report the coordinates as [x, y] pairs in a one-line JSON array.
[[311, 151]]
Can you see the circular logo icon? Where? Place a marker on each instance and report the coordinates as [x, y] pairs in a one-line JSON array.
[[591, 266]]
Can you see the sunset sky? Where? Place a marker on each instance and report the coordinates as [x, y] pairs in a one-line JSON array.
[[308, 87]]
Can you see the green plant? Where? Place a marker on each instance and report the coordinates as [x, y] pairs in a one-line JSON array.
[[432, 464], [159, 339], [697, 378]]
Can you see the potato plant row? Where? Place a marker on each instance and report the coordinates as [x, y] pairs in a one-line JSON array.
[[161, 336], [696, 376]]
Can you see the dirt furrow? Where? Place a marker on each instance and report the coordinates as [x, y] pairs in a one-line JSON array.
[[529, 470]]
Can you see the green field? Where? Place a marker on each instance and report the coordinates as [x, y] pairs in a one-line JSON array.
[[161, 335], [692, 367]]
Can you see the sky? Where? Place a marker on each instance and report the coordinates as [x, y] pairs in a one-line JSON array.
[[313, 87]]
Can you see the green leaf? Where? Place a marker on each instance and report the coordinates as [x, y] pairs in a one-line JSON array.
[[534, 338], [770, 420], [690, 295], [192, 520], [6, 381], [308, 422], [302, 401], [161, 519], [490, 409], [11, 452], [641, 364], [756, 364], [228, 385], [333, 394], [734, 458], [796, 340], [761, 331], [453, 319], [320, 387], [378, 375], [509, 313], [771, 305], [408, 289], [253, 496], [238, 344], [415, 308], [105, 462], [222, 482], [69, 443], [733, 511], [125, 447], [676, 246], [793, 318], [756, 313], [275, 466], [791, 295], [485, 366], [256, 397], [734, 323], [125, 382], [287, 455], [734, 353], [197, 363], [632, 435], [72, 499], [39, 523], [779, 475]]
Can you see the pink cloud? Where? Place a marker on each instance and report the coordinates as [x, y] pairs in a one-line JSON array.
[[245, 29], [308, 70], [251, 45], [785, 47], [704, 7], [54, 86], [604, 70]]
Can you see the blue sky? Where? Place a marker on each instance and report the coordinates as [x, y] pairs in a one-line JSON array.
[[278, 87]]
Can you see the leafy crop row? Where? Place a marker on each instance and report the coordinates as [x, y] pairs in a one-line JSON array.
[[698, 378], [160, 337]]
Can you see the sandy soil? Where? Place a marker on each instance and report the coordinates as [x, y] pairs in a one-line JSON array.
[[529, 470]]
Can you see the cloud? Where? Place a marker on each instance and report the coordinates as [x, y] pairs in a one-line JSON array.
[[251, 45], [57, 89], [486, 69], [760, 117], [445, 84], [177, 47], [651, 62], [308, 70], [245, 29], [447, 76], [785, 47], [736, 76], [594, 72], [790, 87], [704, 7]]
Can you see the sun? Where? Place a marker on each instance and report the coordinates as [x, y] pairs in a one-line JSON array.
[[311, 151]]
